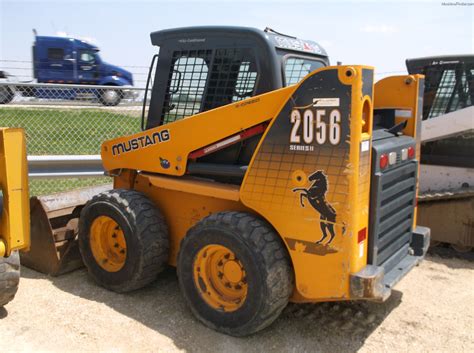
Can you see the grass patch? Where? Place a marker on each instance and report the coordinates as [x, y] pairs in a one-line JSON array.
[[68, 131]]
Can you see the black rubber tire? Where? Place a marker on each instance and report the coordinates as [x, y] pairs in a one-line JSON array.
[[9, 277], [266, 261], [107, 102], [146, 236], [6, 95]]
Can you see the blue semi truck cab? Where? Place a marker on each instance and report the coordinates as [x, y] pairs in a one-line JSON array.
[[70, 60], [64, 60]]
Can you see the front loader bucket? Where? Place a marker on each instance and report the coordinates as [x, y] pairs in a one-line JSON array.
[[54, 227]]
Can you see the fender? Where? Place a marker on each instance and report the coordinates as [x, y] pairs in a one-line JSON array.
[[114, 81]]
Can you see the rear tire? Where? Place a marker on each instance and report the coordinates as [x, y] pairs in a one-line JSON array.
[[9, 277], [6, 95], [143, 235], [110, 97], [267, 275]]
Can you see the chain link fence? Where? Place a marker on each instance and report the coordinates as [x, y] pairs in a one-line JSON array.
[[69, 120]]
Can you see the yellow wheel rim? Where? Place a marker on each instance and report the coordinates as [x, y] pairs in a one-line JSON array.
[[220, 278], [108, 244]]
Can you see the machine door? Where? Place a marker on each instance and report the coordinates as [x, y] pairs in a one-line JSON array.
[[193, 81], [58, 68], [88, 68]]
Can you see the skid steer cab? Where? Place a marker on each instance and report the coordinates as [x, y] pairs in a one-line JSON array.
[[264, 175]]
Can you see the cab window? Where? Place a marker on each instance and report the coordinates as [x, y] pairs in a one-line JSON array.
[[296, 68], [55, 53], [87, 56]]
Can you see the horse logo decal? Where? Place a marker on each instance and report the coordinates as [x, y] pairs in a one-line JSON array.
[[315, 194]]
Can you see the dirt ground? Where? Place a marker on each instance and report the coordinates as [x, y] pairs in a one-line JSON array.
[[432, 309]]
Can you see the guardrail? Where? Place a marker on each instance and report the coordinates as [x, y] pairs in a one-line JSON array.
[[83, 166]]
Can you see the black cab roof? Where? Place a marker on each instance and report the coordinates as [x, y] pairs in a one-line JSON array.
[[267, 37]]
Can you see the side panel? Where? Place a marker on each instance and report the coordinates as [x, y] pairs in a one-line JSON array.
[[405, 94], [165, 149], [183, 207], [306, 179], [53, 66]]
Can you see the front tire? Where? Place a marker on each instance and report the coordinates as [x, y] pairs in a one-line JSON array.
[[123, 239], [235, 273], [110, 97], [9, 277]]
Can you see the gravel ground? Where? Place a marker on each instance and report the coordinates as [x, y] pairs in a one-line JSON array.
[[431, 309]]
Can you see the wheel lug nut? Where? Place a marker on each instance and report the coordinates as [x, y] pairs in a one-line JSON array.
[[116, 245]]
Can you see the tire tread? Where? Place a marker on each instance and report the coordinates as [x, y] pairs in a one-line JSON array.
[[148, 226], [9, 277], [275, 264]]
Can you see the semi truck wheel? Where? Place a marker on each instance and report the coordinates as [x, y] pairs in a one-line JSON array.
[[110, 97], [123, 239], [6, 95], [235, 273], [9, 277]]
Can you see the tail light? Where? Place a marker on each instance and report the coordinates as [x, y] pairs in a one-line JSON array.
[[383, 161], [362, 235], [411, 152]]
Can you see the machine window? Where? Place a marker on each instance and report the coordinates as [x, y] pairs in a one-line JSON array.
[[297, 68], [246, 80], [202, 80], [452, 91], [186, 84], [55, 53], [233, 77], [87, 57]]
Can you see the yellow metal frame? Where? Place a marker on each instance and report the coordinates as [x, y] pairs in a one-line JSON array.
[[220, 278], [189, 134], [15, 219], [404, 93], [108, 244]]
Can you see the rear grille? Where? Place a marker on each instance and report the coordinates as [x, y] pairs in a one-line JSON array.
[[391, 218]]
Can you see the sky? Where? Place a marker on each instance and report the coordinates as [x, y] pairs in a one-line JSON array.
[[378, 33]]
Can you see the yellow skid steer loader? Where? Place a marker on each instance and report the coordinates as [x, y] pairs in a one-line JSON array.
[[14, 210], [264, 175]]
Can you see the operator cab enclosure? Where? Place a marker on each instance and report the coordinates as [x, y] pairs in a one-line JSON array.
[[201, 68]]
